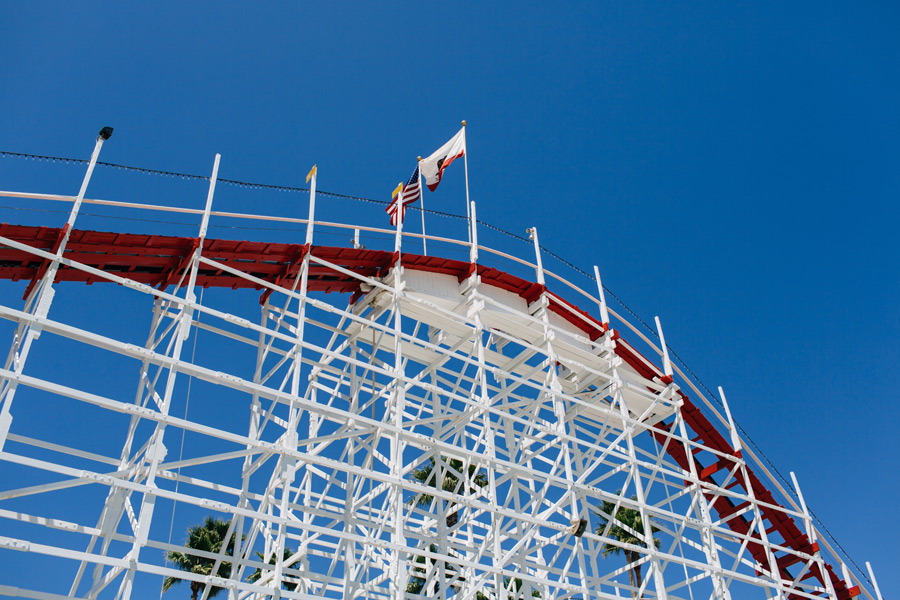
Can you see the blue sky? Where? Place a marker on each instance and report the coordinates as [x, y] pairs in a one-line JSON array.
[[731, 167]]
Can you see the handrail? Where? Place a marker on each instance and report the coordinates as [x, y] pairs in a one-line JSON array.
[[460, 243]]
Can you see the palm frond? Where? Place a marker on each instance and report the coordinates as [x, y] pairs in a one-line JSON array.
[[169, 582], [206, 537], [257, 574]]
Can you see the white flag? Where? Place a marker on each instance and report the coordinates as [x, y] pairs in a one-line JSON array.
[[432, 168]]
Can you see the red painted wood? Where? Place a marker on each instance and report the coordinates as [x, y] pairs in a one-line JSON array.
[[159, 261]]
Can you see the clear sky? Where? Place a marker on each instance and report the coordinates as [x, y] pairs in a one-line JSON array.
[[731, 167]]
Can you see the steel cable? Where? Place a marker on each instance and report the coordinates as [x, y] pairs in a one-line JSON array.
[[287, 188]]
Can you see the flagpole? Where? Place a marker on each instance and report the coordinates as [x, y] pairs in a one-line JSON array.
[[399, 192], [466, 163], [312, 205], [422, 206]]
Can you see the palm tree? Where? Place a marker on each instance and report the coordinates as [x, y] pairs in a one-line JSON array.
[[517, 586], [207, 537], [257, 574], [625, 518], [428, 476], [416, 583]]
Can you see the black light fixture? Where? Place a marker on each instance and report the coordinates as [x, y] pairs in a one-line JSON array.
[[578, 527], [106, 133]]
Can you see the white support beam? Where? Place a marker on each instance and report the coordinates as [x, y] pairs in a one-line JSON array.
[[530, 425]]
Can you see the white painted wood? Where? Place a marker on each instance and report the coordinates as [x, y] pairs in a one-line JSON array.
[[343, 403]]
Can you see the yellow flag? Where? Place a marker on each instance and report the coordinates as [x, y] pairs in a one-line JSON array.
[[312, 174], [397, 191]]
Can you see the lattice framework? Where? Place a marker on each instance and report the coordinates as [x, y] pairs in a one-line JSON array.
[[530, 413]]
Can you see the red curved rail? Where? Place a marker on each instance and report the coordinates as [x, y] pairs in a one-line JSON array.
[[160, 261]]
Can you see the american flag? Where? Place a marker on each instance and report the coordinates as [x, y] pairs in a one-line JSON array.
[[408, 195]]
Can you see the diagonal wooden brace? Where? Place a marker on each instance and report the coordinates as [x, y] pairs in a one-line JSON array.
[[290, 270], [45, 264], [181, 263]]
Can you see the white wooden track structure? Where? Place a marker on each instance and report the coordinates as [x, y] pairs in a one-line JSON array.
[[530, 412]]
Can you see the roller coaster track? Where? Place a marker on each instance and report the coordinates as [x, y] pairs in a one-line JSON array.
[[161, 261]]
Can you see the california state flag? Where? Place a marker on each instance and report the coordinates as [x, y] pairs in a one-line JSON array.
[[432, 168]]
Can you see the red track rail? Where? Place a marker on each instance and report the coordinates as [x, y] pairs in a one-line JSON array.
[[777, 521], [160, 261]]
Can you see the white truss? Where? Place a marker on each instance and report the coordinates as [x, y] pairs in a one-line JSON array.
[[537, 425]]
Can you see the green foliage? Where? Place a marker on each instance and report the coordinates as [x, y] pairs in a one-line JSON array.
[[628, 528], [207, 537], [416, 582], [258, 573], [517, 587], [428, 475], [629, 518]]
